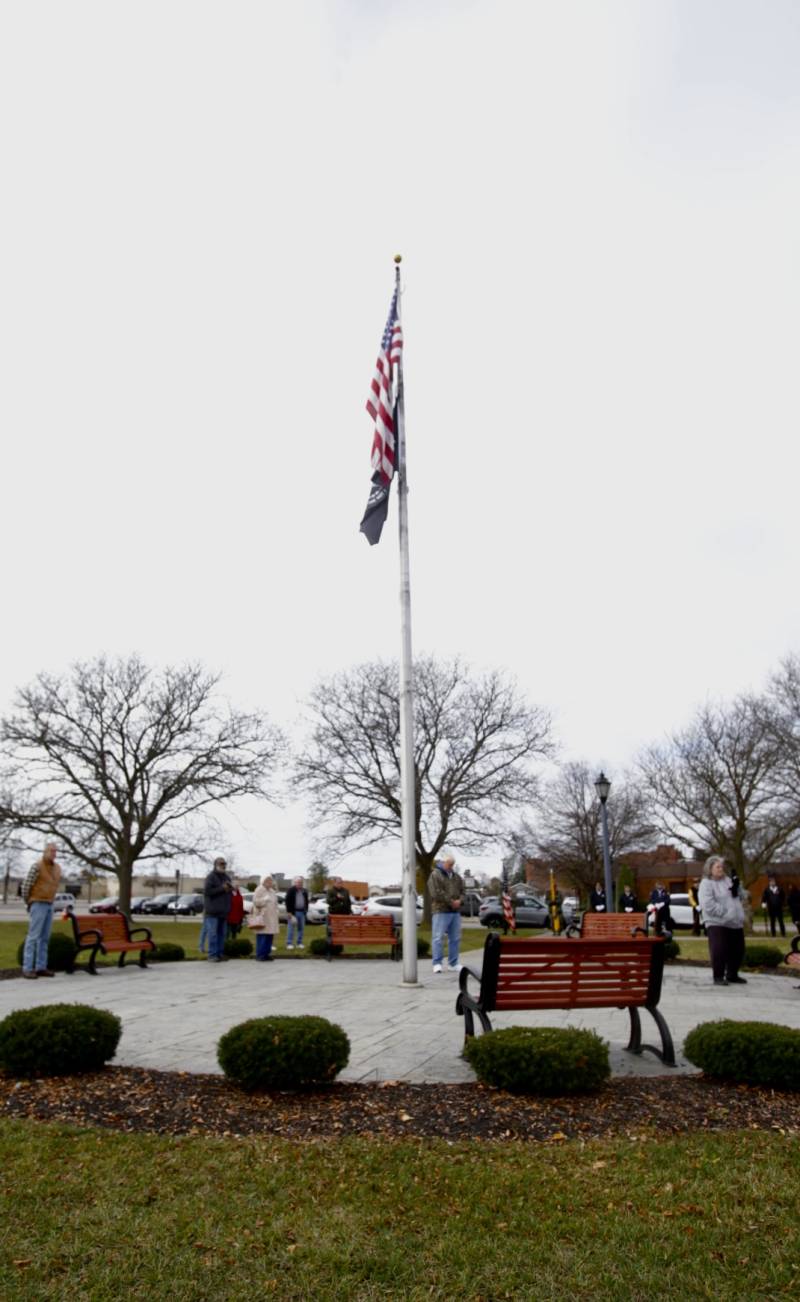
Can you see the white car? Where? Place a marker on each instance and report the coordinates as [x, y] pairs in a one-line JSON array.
[[681, 910], [63, 900], [391, 904]]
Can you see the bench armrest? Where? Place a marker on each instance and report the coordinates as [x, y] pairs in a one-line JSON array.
[[145, 931], [90, 931], [464, 975]]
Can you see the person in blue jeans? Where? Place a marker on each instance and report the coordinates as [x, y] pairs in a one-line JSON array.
[[446, 890], [296, 910], [38, 892], [216, 901]]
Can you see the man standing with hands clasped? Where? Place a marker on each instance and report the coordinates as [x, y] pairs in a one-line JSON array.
[[38, 892], [446, 890]]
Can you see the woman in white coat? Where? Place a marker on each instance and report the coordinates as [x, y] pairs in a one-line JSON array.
[[265, 914]]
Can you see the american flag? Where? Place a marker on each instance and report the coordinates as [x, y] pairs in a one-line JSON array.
[[381, 403], [508, 910]]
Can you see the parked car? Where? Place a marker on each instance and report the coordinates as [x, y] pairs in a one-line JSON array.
[[247, 900], [317, 911], [186, 905], [109, 905], [391, 904], [158, 903], [63, 900], [681, 910], [471, 904], [137, 901], [529, 911]]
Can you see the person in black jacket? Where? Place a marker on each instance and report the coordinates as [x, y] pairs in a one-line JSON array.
[[339, 901], [597, 899], [217, 901], [628, 902], [659, 905], [793, 900], [773, 901]]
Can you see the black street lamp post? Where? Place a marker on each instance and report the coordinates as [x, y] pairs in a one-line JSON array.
[[602, 786]]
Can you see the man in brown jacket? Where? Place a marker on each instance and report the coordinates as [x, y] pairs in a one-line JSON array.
[[38, 892], [446, 890]]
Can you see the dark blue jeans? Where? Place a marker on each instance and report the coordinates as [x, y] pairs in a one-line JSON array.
[[263, 944], [217, 931]]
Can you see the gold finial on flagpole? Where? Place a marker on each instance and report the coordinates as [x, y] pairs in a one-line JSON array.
[[398, 257]]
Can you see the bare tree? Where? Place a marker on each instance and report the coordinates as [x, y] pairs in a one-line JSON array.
[[567, 830], [475, 744], [719, 786], [121, 763], [780, 712]]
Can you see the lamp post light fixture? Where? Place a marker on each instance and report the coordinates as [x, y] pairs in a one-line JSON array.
[[602, 786]]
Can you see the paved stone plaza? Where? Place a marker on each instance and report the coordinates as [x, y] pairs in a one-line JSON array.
[[174, 1014]]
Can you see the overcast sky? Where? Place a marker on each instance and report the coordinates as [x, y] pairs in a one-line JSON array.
[[598, 206]]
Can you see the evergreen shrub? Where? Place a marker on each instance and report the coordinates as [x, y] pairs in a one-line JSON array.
[[320, 946], [61, 951], [283, 1053], [761, 956], [166, 952], [238, 947], [750, 1053], [58, 1039], [540, 1060], [671, 949]]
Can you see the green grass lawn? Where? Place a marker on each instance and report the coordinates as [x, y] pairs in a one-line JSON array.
[[99, 1216]]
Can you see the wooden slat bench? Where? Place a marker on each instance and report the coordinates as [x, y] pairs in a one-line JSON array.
[[110, 933], [562, 973], [350, 929], [612, 926], [793, 957]]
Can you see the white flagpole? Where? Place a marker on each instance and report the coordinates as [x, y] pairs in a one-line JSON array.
[[407, 776]]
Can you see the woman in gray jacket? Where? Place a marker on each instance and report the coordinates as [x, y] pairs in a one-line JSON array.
[[723, 916]]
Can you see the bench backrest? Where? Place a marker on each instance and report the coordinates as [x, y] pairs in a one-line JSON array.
[[612, 926], [378, 925], [571, 973], [111, 926]]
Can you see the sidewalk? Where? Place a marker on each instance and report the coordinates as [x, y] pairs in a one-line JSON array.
[[174, 1013]]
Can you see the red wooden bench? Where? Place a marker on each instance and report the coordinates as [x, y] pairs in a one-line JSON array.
[[109, 933], [613, 926], [362, 929], [793, 957], [562, 973]]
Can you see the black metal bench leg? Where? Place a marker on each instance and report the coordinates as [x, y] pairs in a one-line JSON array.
[[634, 1044], [143, 959], [121, 959], [91, 968], [667, 1055]]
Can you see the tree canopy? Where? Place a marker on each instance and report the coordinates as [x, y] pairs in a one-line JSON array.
[[476, 747], [121, 763]]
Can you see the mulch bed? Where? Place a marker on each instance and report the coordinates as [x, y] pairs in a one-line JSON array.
[[178, 1103]]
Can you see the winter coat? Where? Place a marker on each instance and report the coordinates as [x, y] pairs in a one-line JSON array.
[[236, 910], [443, 888], [628, 903], [774, 900], [265, 910], [720, 907], [216, 895], [339, 900], [296, 900]]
